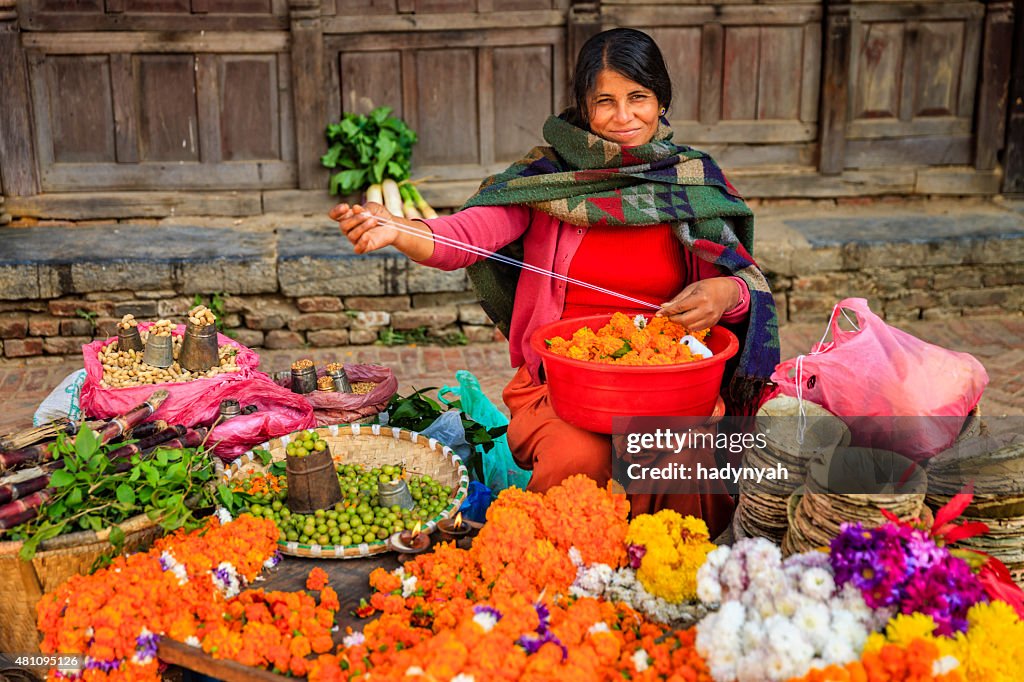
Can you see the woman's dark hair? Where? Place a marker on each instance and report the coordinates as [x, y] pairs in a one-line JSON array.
[[629, 52]]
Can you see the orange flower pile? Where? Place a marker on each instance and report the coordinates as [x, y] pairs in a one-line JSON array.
[[495, 612], [916, 662], [114, 615], [620, 343], [317, 579], [260, 484]]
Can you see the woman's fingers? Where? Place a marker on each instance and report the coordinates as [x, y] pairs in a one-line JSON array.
[[701, 304]]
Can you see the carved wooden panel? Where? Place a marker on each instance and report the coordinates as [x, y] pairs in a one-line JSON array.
[[81, 110]]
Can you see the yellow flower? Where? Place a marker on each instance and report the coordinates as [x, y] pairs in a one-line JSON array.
[[903, 629], [675, 548], [992, 649]]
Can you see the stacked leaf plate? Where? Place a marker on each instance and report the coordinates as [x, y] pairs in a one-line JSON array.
[[790, 441]]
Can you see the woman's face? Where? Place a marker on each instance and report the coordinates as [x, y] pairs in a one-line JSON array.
[[623, 111]]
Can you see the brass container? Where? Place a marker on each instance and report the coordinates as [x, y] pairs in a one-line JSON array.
[[199, 348], [129, 339], [395, 492], [304, 380], [341, 383], [312, 482], [159, 351], [229, 408]]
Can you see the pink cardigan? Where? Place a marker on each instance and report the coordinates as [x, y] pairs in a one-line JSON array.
[[549, 244]]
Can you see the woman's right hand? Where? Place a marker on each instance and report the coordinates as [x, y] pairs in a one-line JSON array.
[[361, 226]]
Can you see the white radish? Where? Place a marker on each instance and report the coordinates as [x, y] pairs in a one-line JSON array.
[[374, 194], [392, 198]]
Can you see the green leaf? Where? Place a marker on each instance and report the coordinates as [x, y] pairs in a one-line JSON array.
[[396, 172], [380, 114], [162, 457], [330, 159], [347, 181], [75, 497], [176, 472], [622, 351], [86, 444], [125, 494], [45, 532], [226, 496], [116, 536], [61, 478], [265, 457]]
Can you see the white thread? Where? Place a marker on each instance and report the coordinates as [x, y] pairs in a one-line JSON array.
[[355, 429], [375, 429], [476, 250], [817, 350]]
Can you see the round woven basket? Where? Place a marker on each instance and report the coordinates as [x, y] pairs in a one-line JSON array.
[[22, 583], [370, 446]]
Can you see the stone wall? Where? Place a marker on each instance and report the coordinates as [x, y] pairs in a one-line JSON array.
[[302, 286]]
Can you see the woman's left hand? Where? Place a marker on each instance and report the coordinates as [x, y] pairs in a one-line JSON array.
[[701, 304]]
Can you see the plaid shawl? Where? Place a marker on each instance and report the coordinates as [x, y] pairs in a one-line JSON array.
[[583, 179]]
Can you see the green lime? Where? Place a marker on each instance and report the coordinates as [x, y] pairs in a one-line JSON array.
[[346, 540], [320, 446]]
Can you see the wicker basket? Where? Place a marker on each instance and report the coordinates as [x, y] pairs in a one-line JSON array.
[[22, 583], [370, 446]]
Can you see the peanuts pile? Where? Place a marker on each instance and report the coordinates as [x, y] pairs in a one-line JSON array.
[[161, 328], [201, 316], [122, 369], [363, 387], [333, 367], [325, 383], [128, 322], [299, 365]]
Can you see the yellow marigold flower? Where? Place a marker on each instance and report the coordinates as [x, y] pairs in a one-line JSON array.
[[675, 548], [992, 649]]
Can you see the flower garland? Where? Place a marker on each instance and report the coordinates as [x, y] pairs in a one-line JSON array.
[[499, 611], [777, 619], [187, 587], [667, 549]]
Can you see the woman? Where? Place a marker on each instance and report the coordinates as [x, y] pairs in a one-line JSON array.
[[613, 202]]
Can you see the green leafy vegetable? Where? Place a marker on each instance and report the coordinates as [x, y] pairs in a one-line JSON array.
[[368, 149]]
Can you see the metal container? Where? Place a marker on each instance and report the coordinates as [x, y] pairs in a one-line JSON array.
[[304, 380], [159, 351], [341, 383], [229, 408], [312, 482], [395, 492], [129, 339], [199, 348]]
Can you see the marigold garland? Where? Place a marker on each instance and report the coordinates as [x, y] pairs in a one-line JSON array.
[[918, 661], [496, 611], [185, 588]]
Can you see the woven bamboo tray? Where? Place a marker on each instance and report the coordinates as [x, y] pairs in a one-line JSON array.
[[370, 446], [22, 583]]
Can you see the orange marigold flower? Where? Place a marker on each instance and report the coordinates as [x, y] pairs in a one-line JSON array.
[[317, 579]]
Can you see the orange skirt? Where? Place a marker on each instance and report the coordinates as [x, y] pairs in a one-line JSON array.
[[554, 450]]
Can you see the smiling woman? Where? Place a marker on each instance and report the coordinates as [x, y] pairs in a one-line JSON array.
[[612, 202]]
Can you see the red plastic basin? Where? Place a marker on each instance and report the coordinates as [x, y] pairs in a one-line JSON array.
[[590, 394]]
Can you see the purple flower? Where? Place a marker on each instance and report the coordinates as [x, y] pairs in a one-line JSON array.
[[105, 666], [533, 642], [166, 561], [945, 591], [146, 644], [223, 575], [544, 616], [875, 561], [636, 554], [489, 610]]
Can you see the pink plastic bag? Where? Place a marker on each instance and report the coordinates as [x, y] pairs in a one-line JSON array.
[[345, 408], [881, 371], [197, 402]]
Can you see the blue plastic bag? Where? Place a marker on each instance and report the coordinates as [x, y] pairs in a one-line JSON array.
[[478, 499], [500, 469], [447, 429]]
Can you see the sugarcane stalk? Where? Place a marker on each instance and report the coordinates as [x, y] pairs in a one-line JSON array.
[[192, 438], [107, 432], [147, 429], [152, 441], [15, 491], [19, 511]]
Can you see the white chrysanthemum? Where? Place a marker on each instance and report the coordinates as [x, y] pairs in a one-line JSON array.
[[641, 660], [717, 557], [838, 651], [408, 586], [575, 557], [813, 619], [709, 590], [192, 640], [817, 583], [597, 627], [224, 516], [786, 639], [486, 620], [414, 671], [639, 322], [752, 635], [779, 667]]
